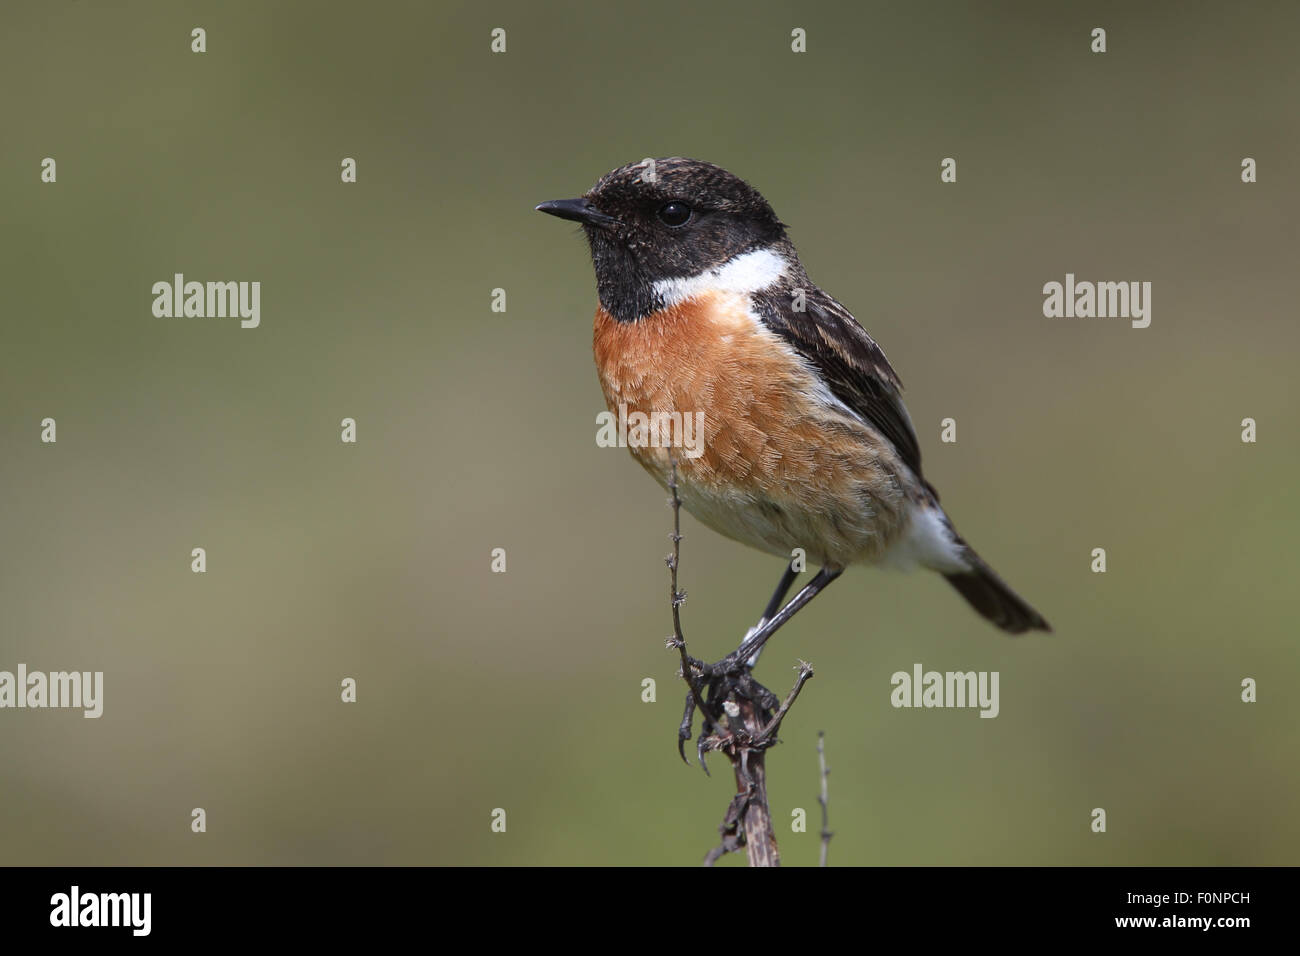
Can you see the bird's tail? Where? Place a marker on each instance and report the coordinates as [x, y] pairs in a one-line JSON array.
[[990, 595]]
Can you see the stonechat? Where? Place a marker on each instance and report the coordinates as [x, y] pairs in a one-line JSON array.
[[704, 307]]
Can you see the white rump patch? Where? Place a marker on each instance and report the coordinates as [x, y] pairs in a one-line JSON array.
[[928, 542], [751, 272]]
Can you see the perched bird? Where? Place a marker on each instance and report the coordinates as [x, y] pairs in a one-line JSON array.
[[705, 308]]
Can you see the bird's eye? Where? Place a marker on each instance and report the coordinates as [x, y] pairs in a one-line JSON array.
[[675, 213]]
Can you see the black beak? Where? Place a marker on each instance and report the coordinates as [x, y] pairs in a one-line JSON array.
[[578, 210]]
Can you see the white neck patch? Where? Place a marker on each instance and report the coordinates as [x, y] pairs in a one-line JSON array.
[[751, 272]]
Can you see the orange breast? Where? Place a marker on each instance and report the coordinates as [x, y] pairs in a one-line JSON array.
[[780, 459]]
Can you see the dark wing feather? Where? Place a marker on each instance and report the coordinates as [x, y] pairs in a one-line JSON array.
[[827, 336]]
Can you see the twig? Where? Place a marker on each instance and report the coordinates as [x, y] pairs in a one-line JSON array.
[[805, 675], [750, 765], [678, 598], [824, 799]]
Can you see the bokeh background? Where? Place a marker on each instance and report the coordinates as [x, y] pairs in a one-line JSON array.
[[522, 690]]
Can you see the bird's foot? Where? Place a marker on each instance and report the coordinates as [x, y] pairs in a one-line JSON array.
[[722, 685]]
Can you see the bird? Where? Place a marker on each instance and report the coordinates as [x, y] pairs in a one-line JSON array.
[[805, 447]]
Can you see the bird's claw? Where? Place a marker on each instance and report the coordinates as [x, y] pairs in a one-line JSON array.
[[685, 727]]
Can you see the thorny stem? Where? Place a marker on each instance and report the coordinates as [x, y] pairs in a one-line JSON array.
[[678, 640], [824, 798]]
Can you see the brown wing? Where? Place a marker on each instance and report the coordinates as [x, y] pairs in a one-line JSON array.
[[849, 360]]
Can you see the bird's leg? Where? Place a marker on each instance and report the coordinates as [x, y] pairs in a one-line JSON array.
[[754, 642], [730, 676], [773, 605], [686, 728]]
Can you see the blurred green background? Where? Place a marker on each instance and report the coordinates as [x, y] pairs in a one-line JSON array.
[[477, 430]]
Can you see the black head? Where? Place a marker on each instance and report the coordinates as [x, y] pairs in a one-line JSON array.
[[665, 219]]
